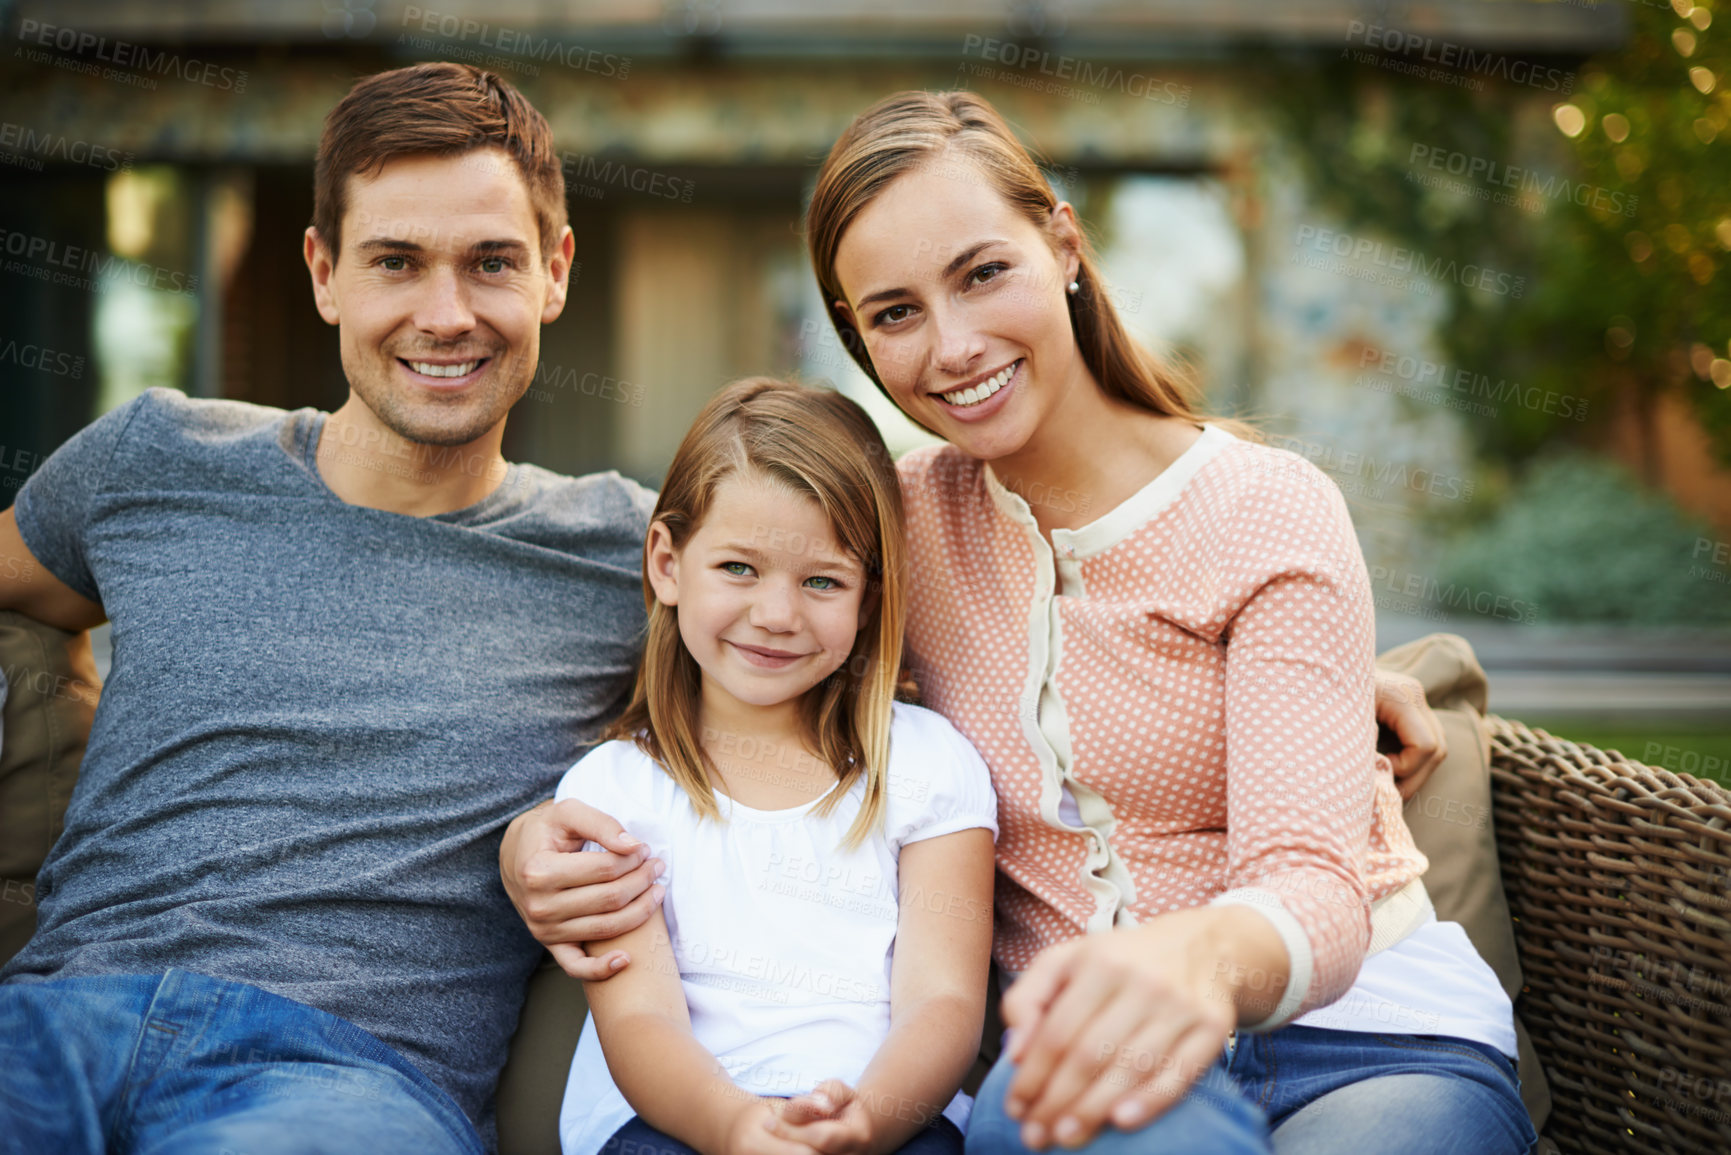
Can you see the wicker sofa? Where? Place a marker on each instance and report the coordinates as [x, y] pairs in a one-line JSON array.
[[1617, 878]]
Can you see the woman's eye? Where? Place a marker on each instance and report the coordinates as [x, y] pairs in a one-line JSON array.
[[892, 314], [986, 272]]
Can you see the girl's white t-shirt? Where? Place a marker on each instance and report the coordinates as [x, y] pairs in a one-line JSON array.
[[782, 937]]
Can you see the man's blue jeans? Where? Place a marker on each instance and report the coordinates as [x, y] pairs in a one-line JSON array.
[[1308, 1091], [191, 1065]]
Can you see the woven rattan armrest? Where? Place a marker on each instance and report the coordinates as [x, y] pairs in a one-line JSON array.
[[1619, 879]]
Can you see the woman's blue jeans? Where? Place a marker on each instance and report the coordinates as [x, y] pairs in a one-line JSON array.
[[1309, 1091], [187, 1064]]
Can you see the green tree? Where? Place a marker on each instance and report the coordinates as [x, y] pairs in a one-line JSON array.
[[1639, 302], [1621, 221]]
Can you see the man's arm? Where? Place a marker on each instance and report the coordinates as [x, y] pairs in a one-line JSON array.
[[567, 897], [28, 587]]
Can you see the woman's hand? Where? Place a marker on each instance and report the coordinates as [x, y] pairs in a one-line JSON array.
[[1117, 1026], [832, 1119], [567, 897], [1401, 706]]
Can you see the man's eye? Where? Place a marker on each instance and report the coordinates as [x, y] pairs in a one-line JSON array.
[[494, 264], [892, 314], [393, 264]]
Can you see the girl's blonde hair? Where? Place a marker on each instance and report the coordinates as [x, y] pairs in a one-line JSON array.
[[822, 445], [914, 129]]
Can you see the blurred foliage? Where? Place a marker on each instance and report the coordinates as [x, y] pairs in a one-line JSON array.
[[1579, 540], [1628, 263]]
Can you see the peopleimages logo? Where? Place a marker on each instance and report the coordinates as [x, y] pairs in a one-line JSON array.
[[1407, 592], [1397, 259], [514, 45], [1521, 181], [124, 54], [28, 355], [61, 264], [1417, 374], [1073, 70], [1451, 57], [28, 148]]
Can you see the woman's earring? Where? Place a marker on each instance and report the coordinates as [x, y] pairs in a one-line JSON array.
[[1074, 286]]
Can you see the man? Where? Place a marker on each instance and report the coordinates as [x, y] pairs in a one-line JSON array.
[[348, 649]]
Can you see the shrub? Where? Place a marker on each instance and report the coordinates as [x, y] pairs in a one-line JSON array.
[[1583, 541]]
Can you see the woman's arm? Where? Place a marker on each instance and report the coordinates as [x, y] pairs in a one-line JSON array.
[[669, 1078], [937, 1002], [1118, 1025]]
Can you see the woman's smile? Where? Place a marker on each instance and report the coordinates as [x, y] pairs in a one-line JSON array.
[[984, 395]]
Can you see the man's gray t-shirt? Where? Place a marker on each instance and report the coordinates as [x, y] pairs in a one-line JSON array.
[[320, 718]]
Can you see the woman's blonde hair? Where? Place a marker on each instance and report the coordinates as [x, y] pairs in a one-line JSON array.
[[822, 445], [911, 130]]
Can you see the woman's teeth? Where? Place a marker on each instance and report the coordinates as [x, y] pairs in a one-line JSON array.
[[978, 393], [430, 370]]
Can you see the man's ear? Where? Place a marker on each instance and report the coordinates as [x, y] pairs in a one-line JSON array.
[[661, 564], [322, 264], [559, 276]]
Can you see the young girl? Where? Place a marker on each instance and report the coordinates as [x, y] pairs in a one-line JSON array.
[[816, 976]]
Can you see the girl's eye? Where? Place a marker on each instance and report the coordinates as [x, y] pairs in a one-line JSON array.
[[736, 568], [825, 583], [986, 272], [892, 314]]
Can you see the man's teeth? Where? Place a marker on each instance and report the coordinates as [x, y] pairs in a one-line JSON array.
[[978, 393], [430, 370]]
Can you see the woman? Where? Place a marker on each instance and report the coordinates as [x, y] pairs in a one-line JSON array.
[[1173, 691]]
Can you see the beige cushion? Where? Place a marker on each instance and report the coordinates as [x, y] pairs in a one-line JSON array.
[[533, 1081], [1451, 821], [51, 691]]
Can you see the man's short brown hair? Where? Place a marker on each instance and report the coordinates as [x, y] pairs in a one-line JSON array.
[[441, 109]]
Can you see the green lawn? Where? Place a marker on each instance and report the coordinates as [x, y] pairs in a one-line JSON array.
[[1701, 749]]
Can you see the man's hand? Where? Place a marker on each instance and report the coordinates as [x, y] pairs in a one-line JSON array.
[[567, 897], [1401, 707]]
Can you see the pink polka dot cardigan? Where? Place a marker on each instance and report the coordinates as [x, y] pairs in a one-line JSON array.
[[1176, 701]]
